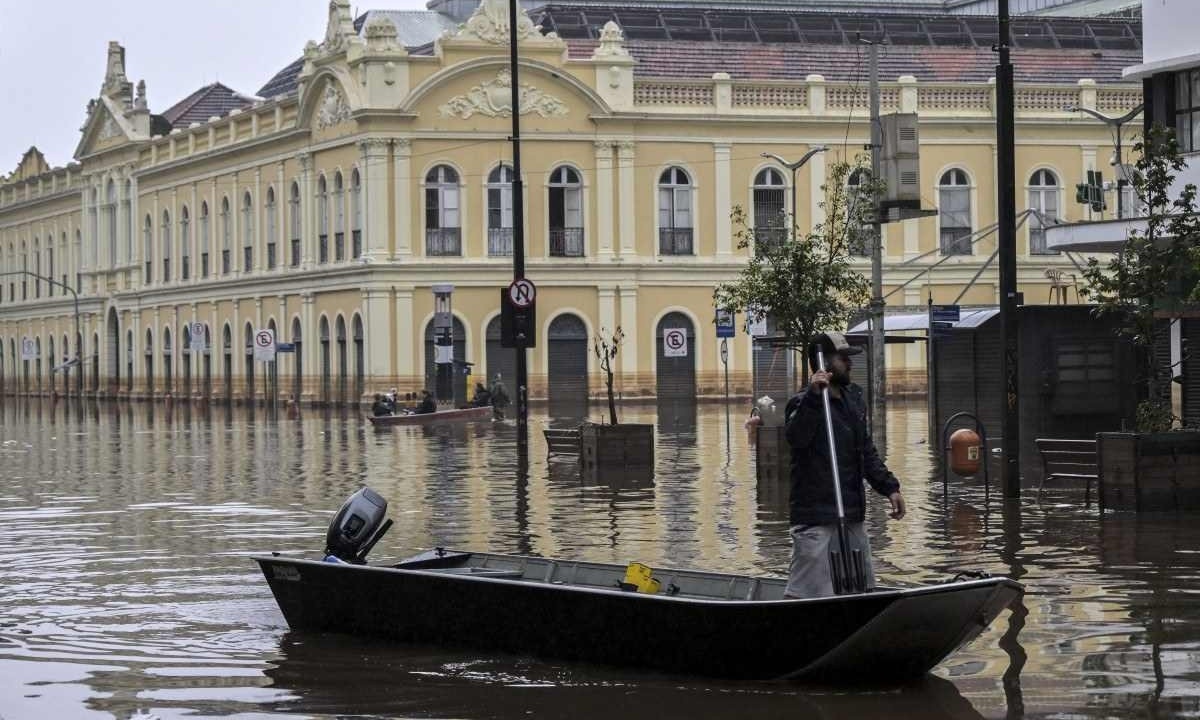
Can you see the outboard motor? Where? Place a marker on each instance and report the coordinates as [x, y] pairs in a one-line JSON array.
[[357, 527]]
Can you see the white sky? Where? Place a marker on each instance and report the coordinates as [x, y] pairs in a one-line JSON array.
[[53, 52]]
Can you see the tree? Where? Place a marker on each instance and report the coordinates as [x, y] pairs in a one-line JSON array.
[[606, 345], [1156, 269], [806, 284]]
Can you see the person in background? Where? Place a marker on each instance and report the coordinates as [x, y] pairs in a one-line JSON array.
[[381, 407], [752, 424], [483, 396], [392, 398], [499, 398], [427, 404]]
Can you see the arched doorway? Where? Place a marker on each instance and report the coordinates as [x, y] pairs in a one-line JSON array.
[[675, 375], [113, 338], [342, 363], [37, 364], [227, 365], [130, 350], [325, 381], [206, 360], [167, 352], [501, 361], [297, 359], [454, 384], [248, 364], [51, 364], [149, 356], [567, 366], [185, 358], [360, 359], [96, 362]]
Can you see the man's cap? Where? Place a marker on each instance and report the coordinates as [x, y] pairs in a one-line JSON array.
[[834, 342]]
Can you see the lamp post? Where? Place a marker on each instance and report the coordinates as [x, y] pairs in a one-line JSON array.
[[78, 334], [1115, 123], [793, 167]]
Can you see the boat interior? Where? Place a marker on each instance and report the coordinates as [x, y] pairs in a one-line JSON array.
[[691, 584]]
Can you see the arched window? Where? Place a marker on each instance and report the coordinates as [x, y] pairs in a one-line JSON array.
[[674, 212], [78, 260], [247, 233], [204, 239], [185, 243], [566, 213], [148, 248], [858, 233], [294, 233], [165, 240], [272, 228], [500, 211], [110, 221], [339, 218], [322, 220], [50, 263], [356, 214], [24, 268], [770, 214], [226, 235], [443, 226], [37, 267], [954, 212], [93, 227], [1043, 198]]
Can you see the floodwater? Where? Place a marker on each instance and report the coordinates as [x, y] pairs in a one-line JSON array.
[[126, 590]]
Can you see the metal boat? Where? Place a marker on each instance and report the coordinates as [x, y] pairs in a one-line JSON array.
[[456, 415], [705, 623]]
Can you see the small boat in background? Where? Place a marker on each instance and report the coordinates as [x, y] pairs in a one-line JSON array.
[[684, 621], [457, 415]]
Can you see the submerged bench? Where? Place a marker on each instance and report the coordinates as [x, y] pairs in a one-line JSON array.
[[1069, 460], [561, 442]]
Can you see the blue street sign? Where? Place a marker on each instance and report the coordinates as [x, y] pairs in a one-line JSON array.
[[285, 347], [944, 313], [725, 326]]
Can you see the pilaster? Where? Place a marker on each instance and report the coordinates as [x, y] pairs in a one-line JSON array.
[[604, 199], [723, 198], [626, 152], [402, 154], [405, 338], [374, 198], [629, 319]]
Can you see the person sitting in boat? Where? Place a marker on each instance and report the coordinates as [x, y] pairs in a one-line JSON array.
[[483, 396], [381, 406], [499, 398], [813, 503], [427, 404]]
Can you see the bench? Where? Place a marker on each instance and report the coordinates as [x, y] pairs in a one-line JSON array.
[[1068, 460], [561, 442]]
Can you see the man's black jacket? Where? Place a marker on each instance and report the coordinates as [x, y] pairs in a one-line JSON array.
[[812, 498]]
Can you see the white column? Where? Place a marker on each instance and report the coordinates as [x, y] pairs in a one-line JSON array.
[[214, 236], [377, 333], [629, 321], [607, 307], [308, 335], [283, 238], [283, 361], [258, 210], [816, 179], [194, 242], [235, 240], [307, 226], [628, 194], [402, 152], [912, 238], [373, 197], [405, 337], [604, 199], [722, 197], [216, 351], [238, 347]]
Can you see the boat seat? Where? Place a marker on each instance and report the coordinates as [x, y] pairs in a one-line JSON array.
[[479, 572]]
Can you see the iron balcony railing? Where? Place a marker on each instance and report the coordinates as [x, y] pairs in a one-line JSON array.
[[443, 242], [567, 242], [768, 238], [675, 241], [500, 242]]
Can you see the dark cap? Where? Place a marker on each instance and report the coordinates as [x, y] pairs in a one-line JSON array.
[[829, 343]]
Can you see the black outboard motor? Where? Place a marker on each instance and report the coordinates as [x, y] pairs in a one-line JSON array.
[[357, 527]]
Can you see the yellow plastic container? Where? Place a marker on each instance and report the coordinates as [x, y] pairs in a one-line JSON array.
[[641, 577]]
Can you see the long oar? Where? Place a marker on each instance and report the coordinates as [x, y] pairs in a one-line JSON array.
[[845, 565]]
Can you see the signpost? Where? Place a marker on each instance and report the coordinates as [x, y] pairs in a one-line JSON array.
[[264, 345], [942, 318], [725, 362], [196, 342], [28, 349], [725, 326], [675, 342]]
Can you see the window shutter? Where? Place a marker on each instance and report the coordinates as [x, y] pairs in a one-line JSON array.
[[506, 207], [450, 207], [572, 204], [683, 207], [664, 207]]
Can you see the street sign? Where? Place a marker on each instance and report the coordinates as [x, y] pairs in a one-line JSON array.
[[725, 328], [443, 354], [522, 293], [724, 351], [944, 313], [197, 344], [29, 349], [675, 342], [756, 326], [518, 325], [264, 345], [285, 347]]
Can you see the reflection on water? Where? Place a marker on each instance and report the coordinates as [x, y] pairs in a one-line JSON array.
[[124, 533]]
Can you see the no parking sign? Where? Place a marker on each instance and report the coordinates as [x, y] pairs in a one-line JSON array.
[[264, 345], [675, 342]]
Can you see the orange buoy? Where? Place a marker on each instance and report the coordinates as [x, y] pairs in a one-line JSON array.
[[966, 452]]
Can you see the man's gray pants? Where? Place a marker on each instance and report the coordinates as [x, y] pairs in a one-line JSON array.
[[808, 575]]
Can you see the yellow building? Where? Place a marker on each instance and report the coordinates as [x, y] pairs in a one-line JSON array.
[[326, 207]]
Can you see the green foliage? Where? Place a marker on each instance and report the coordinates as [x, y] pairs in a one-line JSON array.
[[1156, 269], [606, 345], [806, 284]]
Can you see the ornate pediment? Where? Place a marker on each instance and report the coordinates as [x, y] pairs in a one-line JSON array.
[[333, 108], [489, 24], [493, 98]]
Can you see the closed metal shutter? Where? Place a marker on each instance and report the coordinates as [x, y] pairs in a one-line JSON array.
[[1190, 332], [566, 374], [774, 372], [500, 360], [676, 376], [457, 391]]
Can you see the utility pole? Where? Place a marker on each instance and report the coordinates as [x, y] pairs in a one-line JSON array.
[[518, 212], [878, 339], [1010, 471]]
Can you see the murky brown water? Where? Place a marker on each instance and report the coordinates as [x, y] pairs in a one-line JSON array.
[[126, 589]]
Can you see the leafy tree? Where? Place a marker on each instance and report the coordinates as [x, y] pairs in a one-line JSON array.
[[606, 345], [806, 283], [1156, 269]]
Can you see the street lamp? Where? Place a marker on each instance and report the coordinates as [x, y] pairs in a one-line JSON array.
[[78, 334], [793, 167], [1115, 123]]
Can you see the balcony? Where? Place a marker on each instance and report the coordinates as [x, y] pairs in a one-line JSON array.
[[443, 242], [500, 242], [568, 242], [675, 241], [768, 238]]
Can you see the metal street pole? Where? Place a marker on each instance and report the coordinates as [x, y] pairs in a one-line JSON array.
[[725, 362], [1006, 178], [78, 334], [1115, 123], [518, 212], [878, 339]]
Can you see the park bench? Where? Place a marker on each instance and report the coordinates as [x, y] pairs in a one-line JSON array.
[[1068, 460], [561, 442]]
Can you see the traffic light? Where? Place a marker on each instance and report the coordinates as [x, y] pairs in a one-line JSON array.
[[518, 326]]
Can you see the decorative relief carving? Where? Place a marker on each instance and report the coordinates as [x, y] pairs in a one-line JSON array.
[[493, 98], [109, 128], [333, 109], [612, 42], [489, 23]]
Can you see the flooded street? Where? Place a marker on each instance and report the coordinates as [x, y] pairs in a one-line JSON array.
[[127, 590]]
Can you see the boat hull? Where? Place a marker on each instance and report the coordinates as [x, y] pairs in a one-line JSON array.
[[883, 637], [458, 415]]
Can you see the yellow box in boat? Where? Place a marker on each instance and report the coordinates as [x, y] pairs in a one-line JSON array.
[[641, 577]]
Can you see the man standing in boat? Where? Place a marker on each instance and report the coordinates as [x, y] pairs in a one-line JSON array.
[[813, 505]]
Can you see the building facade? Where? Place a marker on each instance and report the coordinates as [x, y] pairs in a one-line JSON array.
[[326, 206]]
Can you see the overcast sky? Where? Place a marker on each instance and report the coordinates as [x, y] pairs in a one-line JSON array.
[[53, 54]]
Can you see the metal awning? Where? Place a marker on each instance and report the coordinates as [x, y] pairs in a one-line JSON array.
[[968, 318], [1101, 236]]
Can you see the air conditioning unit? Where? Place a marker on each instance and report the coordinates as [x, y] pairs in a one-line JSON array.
[[900, 161]]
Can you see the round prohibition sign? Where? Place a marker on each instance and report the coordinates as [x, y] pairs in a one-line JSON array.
[[264, 339], [522, 293], [675, 339]]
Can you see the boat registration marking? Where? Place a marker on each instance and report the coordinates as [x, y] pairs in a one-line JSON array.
[[285, 572]]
